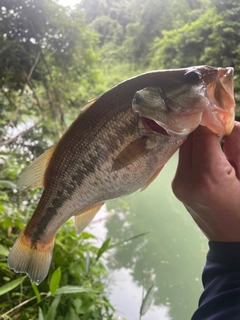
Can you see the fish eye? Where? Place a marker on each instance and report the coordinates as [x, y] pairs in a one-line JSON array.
[[192, 76], [137, 98]]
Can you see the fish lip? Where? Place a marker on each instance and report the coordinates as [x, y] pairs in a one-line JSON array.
[[174, 133], [221, 96], [225, 76]]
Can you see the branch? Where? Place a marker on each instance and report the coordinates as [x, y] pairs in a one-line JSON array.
[[34, 65], [22, 304], [34, 92], [9, 43], [54, 88], [4, 143], [50, 75], [9, 99], [21, 95]]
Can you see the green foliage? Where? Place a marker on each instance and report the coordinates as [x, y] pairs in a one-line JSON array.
[[147, 300], [52, 61], [47, 68], [11, 285], [55, 279], [182, 47], [48, 71], [68, 290], [212, 38]]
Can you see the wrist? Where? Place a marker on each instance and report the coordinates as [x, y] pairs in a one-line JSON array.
[[225, 253]]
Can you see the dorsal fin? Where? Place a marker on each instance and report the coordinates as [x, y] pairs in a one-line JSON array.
[[84, 218], [33, 175], [88, 105], [153, 177]]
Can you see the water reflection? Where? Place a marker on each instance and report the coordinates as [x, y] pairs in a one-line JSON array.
[[172, 254], [126, 296]]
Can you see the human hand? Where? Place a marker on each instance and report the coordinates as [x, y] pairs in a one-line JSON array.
[[207, 181]]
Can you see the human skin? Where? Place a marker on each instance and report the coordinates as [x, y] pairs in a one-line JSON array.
[[207, 182]]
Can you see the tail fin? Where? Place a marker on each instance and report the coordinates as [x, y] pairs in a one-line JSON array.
[[34, 260]]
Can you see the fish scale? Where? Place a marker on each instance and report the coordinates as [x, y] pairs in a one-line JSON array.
[[117, 145]]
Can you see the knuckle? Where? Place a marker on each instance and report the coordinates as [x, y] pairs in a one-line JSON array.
[[180, 189]]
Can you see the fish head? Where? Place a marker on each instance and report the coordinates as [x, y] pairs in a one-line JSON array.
[[187, 98]]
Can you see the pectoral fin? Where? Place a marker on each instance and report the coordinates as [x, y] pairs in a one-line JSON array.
[[153, 177], [33, 175], [84, 218], [131, 153]]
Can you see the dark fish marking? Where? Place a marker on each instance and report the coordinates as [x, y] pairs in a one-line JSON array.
[[51, 211]]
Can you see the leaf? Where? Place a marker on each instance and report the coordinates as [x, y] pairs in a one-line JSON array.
[[3, 265], [72, 289], [55, 279], [11, 285], [35, 289], [53, 308], [4, 251], [87, 263], [40, 314], [146, 303], [77, 304], [7, 184], [103, 248], [126, 240], [86, 235]]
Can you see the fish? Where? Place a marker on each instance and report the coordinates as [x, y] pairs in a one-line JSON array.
[[117, 145]]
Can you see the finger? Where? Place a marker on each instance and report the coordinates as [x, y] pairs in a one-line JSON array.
[[232, 148], [207, 153], [185, 154], [183, 175]]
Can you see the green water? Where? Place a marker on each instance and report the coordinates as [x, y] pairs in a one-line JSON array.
[[172, 254]]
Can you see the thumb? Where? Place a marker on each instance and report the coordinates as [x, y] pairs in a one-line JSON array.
[[207, 154]]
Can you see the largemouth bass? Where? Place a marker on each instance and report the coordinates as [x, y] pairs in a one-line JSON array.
[[117, 145]]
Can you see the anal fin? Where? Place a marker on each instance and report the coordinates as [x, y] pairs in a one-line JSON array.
[[82, 219], [33, 175]]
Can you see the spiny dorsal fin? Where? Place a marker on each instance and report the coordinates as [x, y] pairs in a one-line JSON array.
[[90, 102], [84, 218], [153, 177], [33, 175], [131, 153]]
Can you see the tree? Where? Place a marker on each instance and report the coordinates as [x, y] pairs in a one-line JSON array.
[[212, 39], [48, 71]]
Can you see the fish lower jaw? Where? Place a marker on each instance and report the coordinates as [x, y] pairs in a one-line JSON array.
[[220, 122], [162, 129]]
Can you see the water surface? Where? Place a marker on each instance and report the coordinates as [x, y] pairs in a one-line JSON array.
[[171, 255]]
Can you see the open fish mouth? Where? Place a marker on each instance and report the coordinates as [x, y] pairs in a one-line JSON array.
[[155, 126], [189, 123], [225, 76], [201, 96]]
